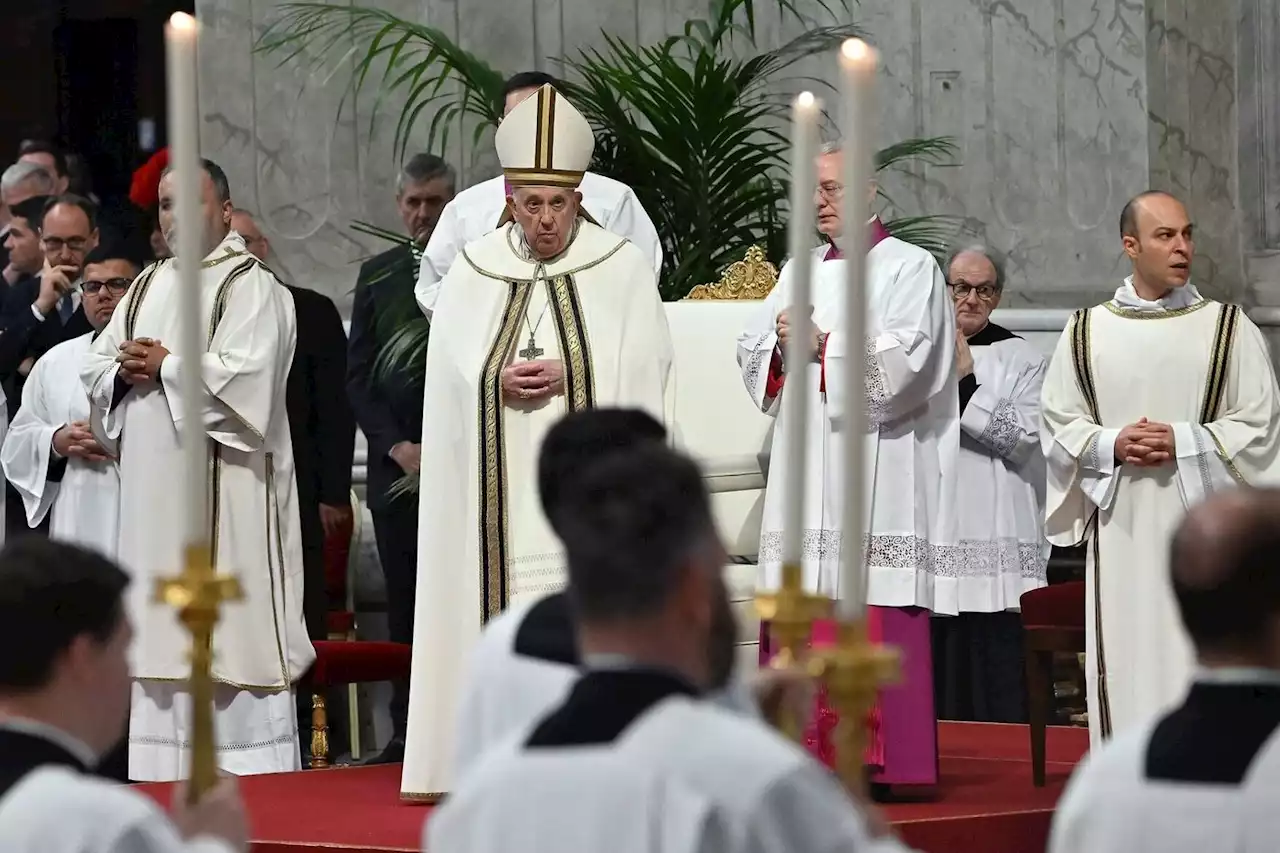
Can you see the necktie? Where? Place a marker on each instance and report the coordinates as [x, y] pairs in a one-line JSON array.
[[65, 309]]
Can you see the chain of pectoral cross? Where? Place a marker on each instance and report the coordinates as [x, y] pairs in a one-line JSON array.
[[533, 351]]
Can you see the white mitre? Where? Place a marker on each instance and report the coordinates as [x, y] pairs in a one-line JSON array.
[[544, 142]]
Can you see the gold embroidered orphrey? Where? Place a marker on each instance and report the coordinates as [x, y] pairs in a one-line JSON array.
[[753, 277], [1210, 408], [579, 390]]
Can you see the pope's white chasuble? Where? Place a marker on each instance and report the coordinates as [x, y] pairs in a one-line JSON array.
[[1201, 367], [81, 498], [913, 414], [480, 209], [1000, 485], [260, 644], [483, 541]]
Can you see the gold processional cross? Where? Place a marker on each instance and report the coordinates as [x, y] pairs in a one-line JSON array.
[[198, 594]]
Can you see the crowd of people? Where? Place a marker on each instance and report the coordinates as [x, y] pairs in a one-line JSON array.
[[558, 569]]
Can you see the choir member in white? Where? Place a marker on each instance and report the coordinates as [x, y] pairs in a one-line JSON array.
[[913, 412], [479, 209], [978, 662], [50, 455], [646, 582], [1204, 775], [549, 314], [134, 387], [1153, 400], [65, 701]]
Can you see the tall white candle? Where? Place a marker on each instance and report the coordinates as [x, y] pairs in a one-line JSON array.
[[184, 158], [858, 63], [798, 356]]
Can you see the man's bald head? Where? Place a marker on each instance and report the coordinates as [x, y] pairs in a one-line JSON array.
[[1223, 566], [1129, 215]]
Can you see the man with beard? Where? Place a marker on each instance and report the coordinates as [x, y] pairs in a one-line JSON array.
[[645, 570]]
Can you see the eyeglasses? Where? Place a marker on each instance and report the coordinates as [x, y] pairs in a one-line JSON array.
[[115, 285], [831, 191], [960, 292], [57, 244]]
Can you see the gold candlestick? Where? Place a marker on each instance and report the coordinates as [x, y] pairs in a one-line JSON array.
[[791, 612], [198, 594], [853, 671]]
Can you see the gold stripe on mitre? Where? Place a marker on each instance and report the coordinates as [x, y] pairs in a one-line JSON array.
[[542, 177], [545, 145]]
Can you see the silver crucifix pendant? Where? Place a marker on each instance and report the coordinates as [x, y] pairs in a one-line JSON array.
[[532, 351]]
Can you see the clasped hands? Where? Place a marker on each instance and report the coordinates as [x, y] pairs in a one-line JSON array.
[[140, 360], [1145, 444], [75, 441], [532, 381], [785, 330]]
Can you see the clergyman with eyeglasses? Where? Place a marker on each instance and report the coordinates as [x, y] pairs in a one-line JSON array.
[[978, 663], [44, 310]]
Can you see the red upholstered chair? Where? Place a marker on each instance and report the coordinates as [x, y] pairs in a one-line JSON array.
[[343, 660], [1052, 622]]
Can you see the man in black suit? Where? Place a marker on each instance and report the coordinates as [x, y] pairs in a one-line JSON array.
[[43, 310], [18, 183], [389, 406]]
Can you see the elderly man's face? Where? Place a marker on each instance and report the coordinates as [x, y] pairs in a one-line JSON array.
[[546, 214], [420, 204], [830, 195], [972, 282], [254, 240], [216, 214]]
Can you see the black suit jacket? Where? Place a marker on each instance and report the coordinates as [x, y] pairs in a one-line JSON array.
[[22, 336], [320, 420], [388, 409]]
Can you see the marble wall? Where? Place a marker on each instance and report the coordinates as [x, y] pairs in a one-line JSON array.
[[1060, 109]]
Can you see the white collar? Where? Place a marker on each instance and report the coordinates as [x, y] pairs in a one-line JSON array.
[[1179, 297], [1237, 675], [54, 735]]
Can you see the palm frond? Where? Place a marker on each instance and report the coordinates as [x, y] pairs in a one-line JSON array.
[[933, 151], [934, 233], [412, 62]]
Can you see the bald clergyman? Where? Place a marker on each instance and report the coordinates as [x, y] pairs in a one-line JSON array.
[[1204, 775], [1153, 401], [549, 314]]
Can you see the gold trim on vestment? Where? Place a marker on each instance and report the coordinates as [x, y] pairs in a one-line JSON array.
[[492, 459], [1169, 314], [273, 514], [1081, 357], [1104, 697], [1216, 383], [1226, 460], [545, 143], [575, 349], [534, 264], [136, 294], [413, 799]]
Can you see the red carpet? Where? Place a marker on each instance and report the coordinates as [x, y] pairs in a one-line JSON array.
[[987, 800]]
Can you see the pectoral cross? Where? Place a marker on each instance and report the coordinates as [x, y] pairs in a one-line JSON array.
[[532, 351], [198, 594]]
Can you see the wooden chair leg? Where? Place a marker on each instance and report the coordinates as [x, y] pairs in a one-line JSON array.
[[319, 732], [1039, 673]]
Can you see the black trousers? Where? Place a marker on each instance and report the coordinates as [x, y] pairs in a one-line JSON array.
[[115, 764], [978, 670], [395, 528]]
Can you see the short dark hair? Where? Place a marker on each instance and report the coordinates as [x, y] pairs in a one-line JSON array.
[[221, 186], [90, 209], [526, 80], [580, 439], [123, 249], [1129, 215], [630, 525], [41, 146], [50, 594], [426, 167], [1232, 609], [32, 210]]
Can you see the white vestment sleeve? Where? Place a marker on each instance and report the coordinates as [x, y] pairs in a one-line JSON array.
[[28, 446], [1068, 832], [629, 219], [99, 369], [1079, 454], [807, 810], [256, 332], [1004, 416], [442, 250], [157, 835], [759, 341], [912, 357], [648, 383]]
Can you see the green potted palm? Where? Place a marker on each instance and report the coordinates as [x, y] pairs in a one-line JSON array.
[[696, 123]]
